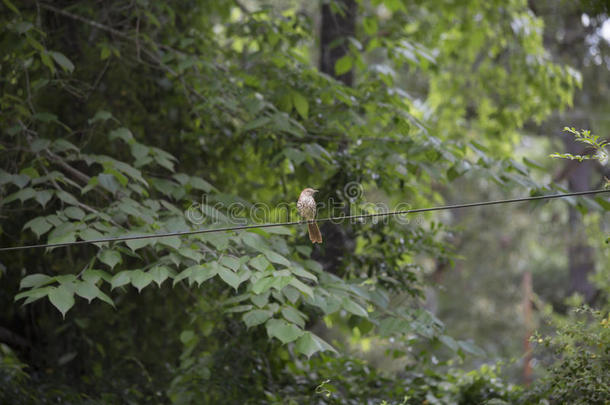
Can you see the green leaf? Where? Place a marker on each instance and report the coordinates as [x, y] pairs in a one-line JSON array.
[[299, 271], [229, 277], [62, 298], [309, 344], [139, 279], [62, 61], [171, 241], [93, 276], [44, 56], [293, 315], [45, 117], [33, 294], [301, 104], [254, 241], [120, 279], [276, 258], [471, 348], [230, 262], [261, 285], [449, 342], [87, 290], [257, 123], [260, 263], [11, 7], [256, 317], [103, 297], [43, 197], [110, 257], [38, 225], [352, 307], [343, 65], [121, 133], [100, 115], [159, 274], [203, 273], [282, 330], [74, 213], [34, 281], [135, 244], [302, 287]]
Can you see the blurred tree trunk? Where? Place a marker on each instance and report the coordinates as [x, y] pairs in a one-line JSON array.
[[580, 254], [337, 25], [564, 21]]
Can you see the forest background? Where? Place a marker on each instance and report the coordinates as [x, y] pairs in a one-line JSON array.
[[137, 117]]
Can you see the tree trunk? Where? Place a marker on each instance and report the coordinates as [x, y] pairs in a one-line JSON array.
[[336, 28]]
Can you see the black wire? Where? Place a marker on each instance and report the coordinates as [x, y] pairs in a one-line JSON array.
[[238, 228]]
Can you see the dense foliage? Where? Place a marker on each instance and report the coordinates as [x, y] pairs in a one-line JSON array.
[[128, 118]]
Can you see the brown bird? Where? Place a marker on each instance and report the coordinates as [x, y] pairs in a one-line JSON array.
[[307, 209]]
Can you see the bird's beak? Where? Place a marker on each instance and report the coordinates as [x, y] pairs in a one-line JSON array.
[[315, 191]]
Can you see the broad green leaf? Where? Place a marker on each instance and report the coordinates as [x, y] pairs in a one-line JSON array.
[[186, 273], [471, 348], [159, 274], [91, 234], [302, 287], [343, 65], [300, 104], [203, 273], [352, 307], [139, 279], [261, 285], [120, 279], [66, 197], [230, 262], [109, 257], [260, 263], [100, 115], [254, 241], [171, 241], [282, 330], [309, 344], [299, 271], [45, 117], [93, 276], [256, 317], [293, 315], [135, 244], [260, 300], [38, 225], [74, 213], [279, 282], [33, 294], [257, 123], [276, 258], [121, 133], [105, 298], [87, 290], [229, 277], [449, 342], [62, 297], [34, 281], [62, 61]]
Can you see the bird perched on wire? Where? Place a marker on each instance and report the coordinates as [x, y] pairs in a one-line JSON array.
[[306, 205]]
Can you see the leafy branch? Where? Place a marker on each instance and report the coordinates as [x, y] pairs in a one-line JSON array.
[[596, 144]]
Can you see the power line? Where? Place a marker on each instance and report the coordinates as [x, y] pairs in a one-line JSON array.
[[342, 218]]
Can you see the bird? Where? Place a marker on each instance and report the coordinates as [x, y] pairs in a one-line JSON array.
[[306, 205]]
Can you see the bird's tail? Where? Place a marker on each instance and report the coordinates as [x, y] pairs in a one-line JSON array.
[[314, 233]]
